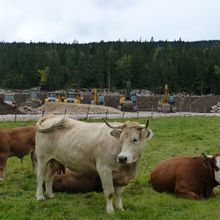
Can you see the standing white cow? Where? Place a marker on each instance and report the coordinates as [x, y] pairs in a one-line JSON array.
[[108, 151]]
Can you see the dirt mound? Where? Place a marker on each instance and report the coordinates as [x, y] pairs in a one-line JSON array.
[[78, 109], [6, 109]]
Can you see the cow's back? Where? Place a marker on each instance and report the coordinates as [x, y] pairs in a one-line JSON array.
[[76, 144], [167, 172], [22, 140], [18, 141]]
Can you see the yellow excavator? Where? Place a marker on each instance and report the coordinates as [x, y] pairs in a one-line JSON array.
[[167, 103], [98, 97]]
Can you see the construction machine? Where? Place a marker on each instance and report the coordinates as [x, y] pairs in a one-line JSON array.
[[55, 96], [128, 100], [167, 103], [73, 97], [97, 98], [9, 98]]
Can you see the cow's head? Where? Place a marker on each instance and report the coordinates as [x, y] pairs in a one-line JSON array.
[[132, 136], [213, 162]]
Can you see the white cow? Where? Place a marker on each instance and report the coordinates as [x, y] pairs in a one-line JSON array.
[[108, 151]]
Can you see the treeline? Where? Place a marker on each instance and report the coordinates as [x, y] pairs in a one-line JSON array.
[[192, 67]]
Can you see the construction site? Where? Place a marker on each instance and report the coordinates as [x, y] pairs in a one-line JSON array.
[[99, 101]]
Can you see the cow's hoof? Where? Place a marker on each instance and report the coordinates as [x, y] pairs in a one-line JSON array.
[[51, 196], [40, 198], [110, 211]]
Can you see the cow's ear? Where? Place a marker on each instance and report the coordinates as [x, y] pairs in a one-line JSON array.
[[149, 134], [208, 162], [115, 133]]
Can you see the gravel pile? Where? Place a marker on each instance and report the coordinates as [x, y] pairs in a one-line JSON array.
[[77, 109]]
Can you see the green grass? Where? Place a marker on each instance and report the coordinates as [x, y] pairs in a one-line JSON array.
[[172, 136]]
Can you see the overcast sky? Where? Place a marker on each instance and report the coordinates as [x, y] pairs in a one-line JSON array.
[[108, 20]]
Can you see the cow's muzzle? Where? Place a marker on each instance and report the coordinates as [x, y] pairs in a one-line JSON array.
[[122, 159]]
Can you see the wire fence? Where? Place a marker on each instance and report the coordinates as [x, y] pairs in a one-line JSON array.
[[90, 115]]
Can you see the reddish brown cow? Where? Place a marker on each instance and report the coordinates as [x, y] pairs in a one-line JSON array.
[[16, 142], [69, 181], [74, 183], [188, 177]]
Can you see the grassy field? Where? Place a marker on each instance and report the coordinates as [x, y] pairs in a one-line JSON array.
[[172, 136]]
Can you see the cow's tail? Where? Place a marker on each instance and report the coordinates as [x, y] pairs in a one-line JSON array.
[[56, 124]]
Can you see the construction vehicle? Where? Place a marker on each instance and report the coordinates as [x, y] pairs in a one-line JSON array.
[[94, 100], [77, 98], [127, 101], [15, 98], [70, 97], [167, 103], [36, 97], [9, 98], [97, 99], [56, 97], [73, 97]]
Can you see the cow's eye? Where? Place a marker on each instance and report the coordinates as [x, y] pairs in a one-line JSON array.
[[134, 140]]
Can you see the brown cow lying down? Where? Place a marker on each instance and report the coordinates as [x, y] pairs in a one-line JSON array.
[[188, 177], [69, 181], [16, 142], [73, 183]]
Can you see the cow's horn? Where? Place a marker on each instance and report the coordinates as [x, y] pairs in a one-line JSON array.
[[204, 155], [147, 123], [114, 127]]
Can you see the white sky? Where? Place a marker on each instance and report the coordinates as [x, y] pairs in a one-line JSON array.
[[108, 20]]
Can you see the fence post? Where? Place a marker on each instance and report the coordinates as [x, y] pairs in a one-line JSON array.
[[87, 114], [15, 115], [152, 111], [137, 113], [123, 113], [42, 113], [180, 111], [106, 114], [65, 112]]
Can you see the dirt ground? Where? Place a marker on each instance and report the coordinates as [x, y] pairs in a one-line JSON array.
[[78, 108]]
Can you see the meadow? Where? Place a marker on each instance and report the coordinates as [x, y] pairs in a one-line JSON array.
[[172, 136]]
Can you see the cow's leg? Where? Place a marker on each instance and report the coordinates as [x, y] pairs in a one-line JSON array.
[[3, 162], [33, 161], [41, 172], [186, 193], [49, 181], [107, 185], [118, 191]]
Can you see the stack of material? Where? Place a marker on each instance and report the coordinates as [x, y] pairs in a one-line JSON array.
[[112, 100], [86, 99], [146, 103], [30, 110], [6, 109], [215, 108]]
